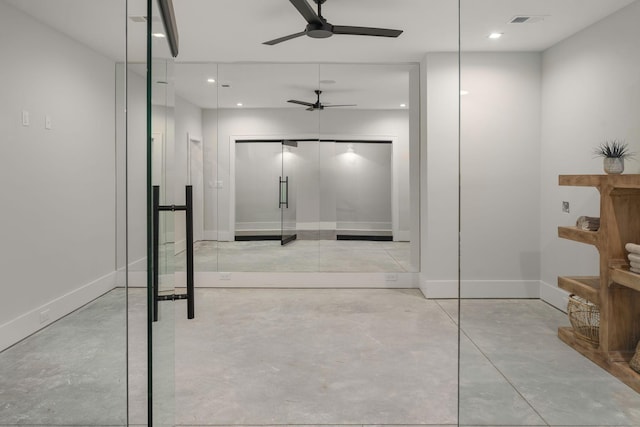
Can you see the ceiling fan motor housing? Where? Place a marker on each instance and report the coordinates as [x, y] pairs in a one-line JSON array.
[[319, 31]]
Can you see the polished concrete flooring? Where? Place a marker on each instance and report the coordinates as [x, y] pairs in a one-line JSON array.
[[300, 256], [312, 357]]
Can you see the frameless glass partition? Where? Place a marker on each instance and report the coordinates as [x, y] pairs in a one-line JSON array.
[[258, 104], [63, 318], [370, 172], [549, 312]]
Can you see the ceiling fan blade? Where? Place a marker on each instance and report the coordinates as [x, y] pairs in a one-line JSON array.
[[284, 39], [310, 109], [341, 105], [306, 11], [365, 31], [306, 104]]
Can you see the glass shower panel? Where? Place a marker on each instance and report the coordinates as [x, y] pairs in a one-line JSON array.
[[63, 331], [522, 93]]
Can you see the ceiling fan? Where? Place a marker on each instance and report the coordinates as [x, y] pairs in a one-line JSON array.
[[319, 28], [312, 106]]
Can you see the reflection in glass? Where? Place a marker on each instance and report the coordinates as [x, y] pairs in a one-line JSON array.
[[63, 331], [534, 103]]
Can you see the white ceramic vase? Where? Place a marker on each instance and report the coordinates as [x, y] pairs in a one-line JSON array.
[[613, 165]]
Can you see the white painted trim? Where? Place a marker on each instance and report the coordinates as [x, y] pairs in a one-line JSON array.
[[481, 288], [554, 296], [439, 289], [364, 226], [137, 279], [226, 236], [324, 225], [180, 246], [258, 226], [140, 264], [402, 236], [210, 235], [302, 280], [26, 324]]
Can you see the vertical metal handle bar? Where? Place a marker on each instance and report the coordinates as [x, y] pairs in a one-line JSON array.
[[286, 193], [156, 257], [189, 221], [279, 192]]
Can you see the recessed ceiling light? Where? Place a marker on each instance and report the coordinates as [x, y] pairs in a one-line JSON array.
[[158, 35], [239, 104], [495, 36], [211, 80], [403, 105], [328, 82], [464, 92]]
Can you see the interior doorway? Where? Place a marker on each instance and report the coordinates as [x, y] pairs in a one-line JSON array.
[[195, 178]]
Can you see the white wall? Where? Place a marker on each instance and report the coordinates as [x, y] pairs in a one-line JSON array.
[[58, 185], [278, 123], [188, 122], [499, 170], [439, 180], [590, 93]]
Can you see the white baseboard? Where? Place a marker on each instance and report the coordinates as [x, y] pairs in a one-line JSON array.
[[226, 236], [324, 225], [22, 326], [402, 236], [439, 289], [554, 296], [180, 246], [302, 280], [500, 289]]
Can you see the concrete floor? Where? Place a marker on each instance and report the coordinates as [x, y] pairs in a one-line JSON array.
[[312, 357]]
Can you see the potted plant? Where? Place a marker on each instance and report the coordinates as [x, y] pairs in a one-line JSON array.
[[614, 152]]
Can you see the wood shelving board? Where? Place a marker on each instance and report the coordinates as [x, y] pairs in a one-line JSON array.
[[616, 290], [578, 235], [624, 277], [587, 287], [580, 180], [617, 181], [620, 370]]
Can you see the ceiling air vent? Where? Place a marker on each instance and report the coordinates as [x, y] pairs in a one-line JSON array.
[[527, 19]]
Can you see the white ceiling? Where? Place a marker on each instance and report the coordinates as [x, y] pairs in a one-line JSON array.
[[232, 31]]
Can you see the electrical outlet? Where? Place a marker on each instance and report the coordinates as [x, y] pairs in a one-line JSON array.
[[25, 118], [565, 207], [225, 276], [391, 277]]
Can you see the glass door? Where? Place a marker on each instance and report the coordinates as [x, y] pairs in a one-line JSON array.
[[288, 193], [162, 232]]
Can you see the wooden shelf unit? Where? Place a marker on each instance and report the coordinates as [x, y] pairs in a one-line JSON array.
[[616, 290]]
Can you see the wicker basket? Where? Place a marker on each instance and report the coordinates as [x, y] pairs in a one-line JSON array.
[[585, 319]]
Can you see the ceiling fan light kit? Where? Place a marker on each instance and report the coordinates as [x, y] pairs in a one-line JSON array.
[[319, 28]]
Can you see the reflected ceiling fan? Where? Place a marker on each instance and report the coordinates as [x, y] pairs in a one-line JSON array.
[[319, 28], [312, 106]]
